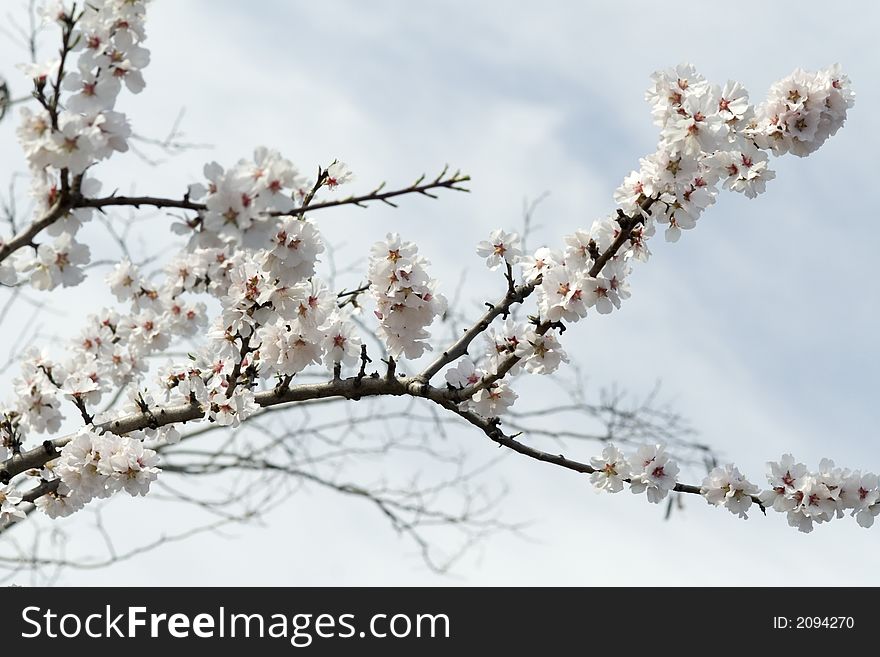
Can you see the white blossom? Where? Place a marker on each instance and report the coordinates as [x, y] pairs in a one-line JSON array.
[[493, 400], [253, 256], [725, 486], [96, 465], [56, 263], [463, 374], [9, 509], [540, 354], [653, 472], [338, 173], [501, 247], [407, 300], [611, 470], [341, 343]]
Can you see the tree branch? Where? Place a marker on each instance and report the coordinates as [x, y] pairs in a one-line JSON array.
[[627, 226], [350, 388], [67, 202]]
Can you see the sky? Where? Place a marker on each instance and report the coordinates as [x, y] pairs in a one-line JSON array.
[[760, 323]]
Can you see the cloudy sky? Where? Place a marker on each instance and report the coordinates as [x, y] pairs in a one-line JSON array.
[[761, 324]]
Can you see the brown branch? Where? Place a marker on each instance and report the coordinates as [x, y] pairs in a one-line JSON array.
[[459, 348], [73, 200], [350, 388], [346, 297], [66, 45], [490, 427], [452, 182], [627, 226], [26, 237], [232, 381]]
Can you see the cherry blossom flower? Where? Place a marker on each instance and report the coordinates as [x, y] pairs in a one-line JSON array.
[[8, 275], [746, 170], [542, 260], [9, 509], [231, 411], [733, 103], [131, 464], [601, 295], [252, 254], [578, 250], [56, 263], [289, 348], [500, 247], [295, 248], [802, 111], [341, 342], [669, 88], [72, 220], [58, 504], [94, 92], [784, 478], [859, 492], [71, 145], [725, 486], [653, 472], [540, 354], [407, 300], [124, 280], [493, 400], [96, 465], [38, 406], [697, 125], [502, 342], [465, 373], [564, 294], [338, 173], [611, 470]]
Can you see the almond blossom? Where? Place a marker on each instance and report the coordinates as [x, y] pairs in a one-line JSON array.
[[248, 298]]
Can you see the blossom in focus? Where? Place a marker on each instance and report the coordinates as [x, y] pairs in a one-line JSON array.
[[611, 469], [653, 472], [501, 247], [725, 486]]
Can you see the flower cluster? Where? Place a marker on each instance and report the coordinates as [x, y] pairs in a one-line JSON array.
[[726, 486], [490, 400], [96, 465], [241, 200], [508, 350], [650, 471], [77, 125], [109, 353], [568, 287], [813, 497], [807, 498], [9, 506], [277, 318], [802, 111], [406, 297], [710, 136]]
